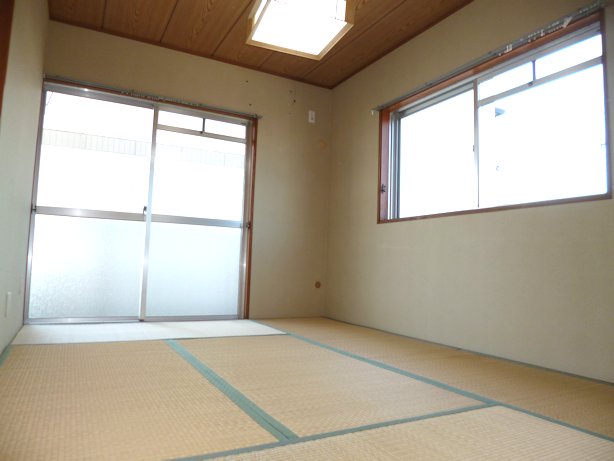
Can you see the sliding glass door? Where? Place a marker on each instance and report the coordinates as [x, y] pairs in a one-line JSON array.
[[138, 211], [197, 205]]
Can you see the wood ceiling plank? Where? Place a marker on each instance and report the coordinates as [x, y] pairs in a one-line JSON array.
[[287, 64], [218, 29], [233, 48], [140, 19], [366, 13], [78, 12], [409, 19], [199, 26]]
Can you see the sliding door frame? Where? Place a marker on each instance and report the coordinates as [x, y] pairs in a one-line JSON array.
[[155, 103]]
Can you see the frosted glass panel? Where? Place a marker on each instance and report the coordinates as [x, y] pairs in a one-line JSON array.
[[193, 270], [86, 267], [180, 120], [225, 128], [198, 177], [94, 154]]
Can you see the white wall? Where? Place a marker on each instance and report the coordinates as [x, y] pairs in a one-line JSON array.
[[18, 131], [291, 208], [535, 285]]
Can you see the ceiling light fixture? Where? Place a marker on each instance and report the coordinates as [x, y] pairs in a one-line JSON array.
[[307, 28]]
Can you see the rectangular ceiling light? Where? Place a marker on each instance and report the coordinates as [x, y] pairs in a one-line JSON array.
[[307, 28]]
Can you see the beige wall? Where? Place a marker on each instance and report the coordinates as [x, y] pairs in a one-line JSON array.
[[535, 285], [290, 216], [18, 129]]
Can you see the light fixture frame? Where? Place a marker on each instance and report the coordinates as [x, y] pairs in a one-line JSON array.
[[350, 9]]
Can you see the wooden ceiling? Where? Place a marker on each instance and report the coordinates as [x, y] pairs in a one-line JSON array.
[[217, 29]]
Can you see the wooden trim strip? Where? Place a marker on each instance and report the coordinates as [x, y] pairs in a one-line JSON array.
[[383, 166], [6, 22], [250, 220], [588, 198]]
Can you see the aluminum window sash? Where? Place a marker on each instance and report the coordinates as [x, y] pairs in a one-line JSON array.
[[86, 92], [196, 221], [394, 172], [456, 89], [118, 215], [247, 222], [67, 320], [202, 113], [124, 319], [476, 143], [84, 213], [202, 134], [545, 50], [148, 217], [563, 73], [553, 27], [39, 143], [447, 93]]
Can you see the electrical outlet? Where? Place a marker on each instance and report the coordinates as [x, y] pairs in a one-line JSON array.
[[311, 116], [7, 303]]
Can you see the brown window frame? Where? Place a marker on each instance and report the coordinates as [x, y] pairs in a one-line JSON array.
[[6, 22], [387, 112]]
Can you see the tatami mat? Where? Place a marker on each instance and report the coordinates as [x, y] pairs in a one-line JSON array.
[[113, 401], [138, 331], [347, 393], [584, 403], [313, 390], [488, 434]]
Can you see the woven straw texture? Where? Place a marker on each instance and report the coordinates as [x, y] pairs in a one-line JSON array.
[[113, 401], [313, 390], [483, 435], [580, 402]]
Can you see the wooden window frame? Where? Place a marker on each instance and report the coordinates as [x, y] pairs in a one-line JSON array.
[[386, 117], [6, 22]]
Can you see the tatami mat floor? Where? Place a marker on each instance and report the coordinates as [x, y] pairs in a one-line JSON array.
[[326, 390], [581, 402]]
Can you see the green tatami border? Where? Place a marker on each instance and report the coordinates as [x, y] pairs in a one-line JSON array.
[[486, 400], [326, 435], [5, 354], [266, 421]]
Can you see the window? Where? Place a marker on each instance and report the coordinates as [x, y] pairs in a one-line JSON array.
[[141, 209], [519, 130]]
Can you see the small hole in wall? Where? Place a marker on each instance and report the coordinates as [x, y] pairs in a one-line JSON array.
[[318, 284]]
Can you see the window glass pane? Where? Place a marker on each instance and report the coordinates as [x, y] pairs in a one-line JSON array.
[[545, 143], [85, 267], [188, 122], [193, 270], [569, 56], [198, 177], [436, 158], [225, 128], [506, 81], [94, 154]]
